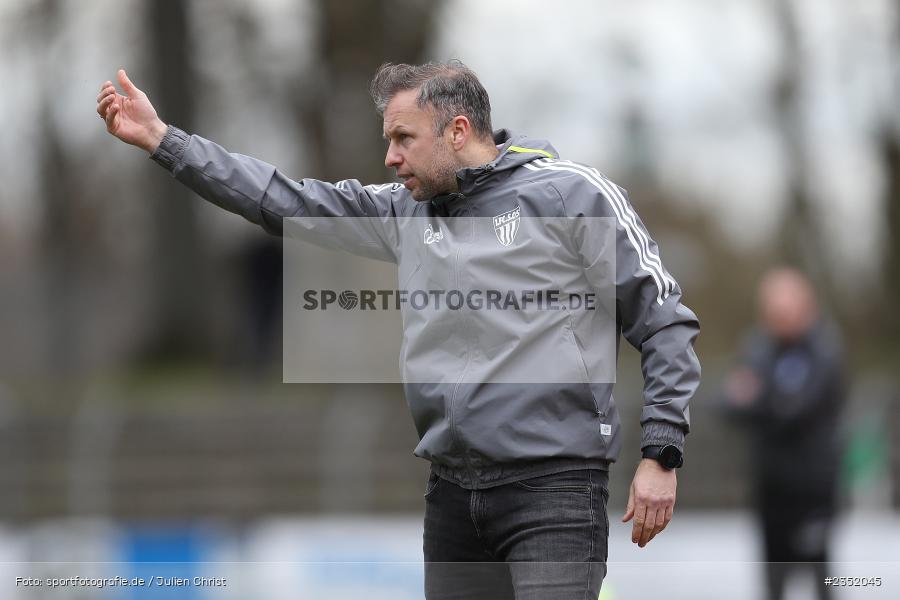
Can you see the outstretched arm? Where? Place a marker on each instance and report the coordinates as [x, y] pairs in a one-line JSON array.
[[253, 188], [130, 118]]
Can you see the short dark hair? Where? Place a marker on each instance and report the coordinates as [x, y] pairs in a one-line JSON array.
[[449, 88]]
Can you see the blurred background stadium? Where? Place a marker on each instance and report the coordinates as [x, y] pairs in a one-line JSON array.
[[142, 414]]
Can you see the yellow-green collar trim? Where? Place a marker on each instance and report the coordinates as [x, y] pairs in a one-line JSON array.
[[533, 150]]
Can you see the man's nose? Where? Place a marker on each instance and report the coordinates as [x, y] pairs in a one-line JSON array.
[[392, 158]]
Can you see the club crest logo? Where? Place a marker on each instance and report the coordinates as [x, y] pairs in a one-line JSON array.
[[506, 226]]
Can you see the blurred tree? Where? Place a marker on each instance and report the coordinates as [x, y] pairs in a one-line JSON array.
[[889, 318], [800, 237], [355, 37], [889, 149], [59, 198], [179, 262], [890, 156]]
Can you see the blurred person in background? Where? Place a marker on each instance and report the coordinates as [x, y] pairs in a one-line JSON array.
[[519, 471], [788, 392]]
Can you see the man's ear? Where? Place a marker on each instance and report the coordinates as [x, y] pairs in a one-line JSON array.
[[460, 131]]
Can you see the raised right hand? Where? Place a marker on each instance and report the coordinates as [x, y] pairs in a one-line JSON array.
[[130, 118]]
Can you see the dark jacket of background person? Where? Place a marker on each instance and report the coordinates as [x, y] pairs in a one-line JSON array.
[[794, 416]]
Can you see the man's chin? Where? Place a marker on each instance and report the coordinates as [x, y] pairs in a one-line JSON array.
[[420, 194], [423, 193]]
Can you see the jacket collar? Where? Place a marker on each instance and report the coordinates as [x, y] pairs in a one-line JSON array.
[[515, 151]]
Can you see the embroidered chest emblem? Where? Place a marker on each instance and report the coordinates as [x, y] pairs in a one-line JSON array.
[[506, 226]]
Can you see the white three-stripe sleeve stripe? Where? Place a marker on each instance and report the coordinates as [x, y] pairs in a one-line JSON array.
[[655, 273], [651, 269], [616, 195], [647, 259]]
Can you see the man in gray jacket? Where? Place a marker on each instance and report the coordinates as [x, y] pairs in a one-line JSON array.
[[519, 470]]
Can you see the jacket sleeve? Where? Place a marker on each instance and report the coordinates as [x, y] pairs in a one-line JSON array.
[[263, 195], [649, 311]]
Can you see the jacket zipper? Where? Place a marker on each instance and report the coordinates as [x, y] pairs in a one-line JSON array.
[[453, 431]]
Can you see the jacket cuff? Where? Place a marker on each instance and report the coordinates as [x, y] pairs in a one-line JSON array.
[[171, 149], [662, 433]]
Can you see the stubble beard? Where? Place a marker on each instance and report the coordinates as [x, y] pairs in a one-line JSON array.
[[441, 176]]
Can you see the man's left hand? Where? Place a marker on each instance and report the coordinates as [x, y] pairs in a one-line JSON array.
[[651, 500]]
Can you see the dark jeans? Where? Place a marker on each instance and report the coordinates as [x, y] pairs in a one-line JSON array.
[[535, 539]]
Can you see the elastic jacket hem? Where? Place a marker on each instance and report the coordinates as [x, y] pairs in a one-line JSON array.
[[502, 473]]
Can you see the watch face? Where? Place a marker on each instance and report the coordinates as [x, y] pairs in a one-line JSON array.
[[670, 457]]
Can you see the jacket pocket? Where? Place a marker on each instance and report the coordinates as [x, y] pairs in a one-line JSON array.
[[580, 364], [569, 335]]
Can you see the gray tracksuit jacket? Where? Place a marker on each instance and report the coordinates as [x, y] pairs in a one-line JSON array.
[[477, 430]]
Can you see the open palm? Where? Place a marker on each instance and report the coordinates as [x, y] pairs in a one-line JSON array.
[[130, 118]]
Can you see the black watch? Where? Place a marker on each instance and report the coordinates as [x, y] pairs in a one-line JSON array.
[[669, 456]]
